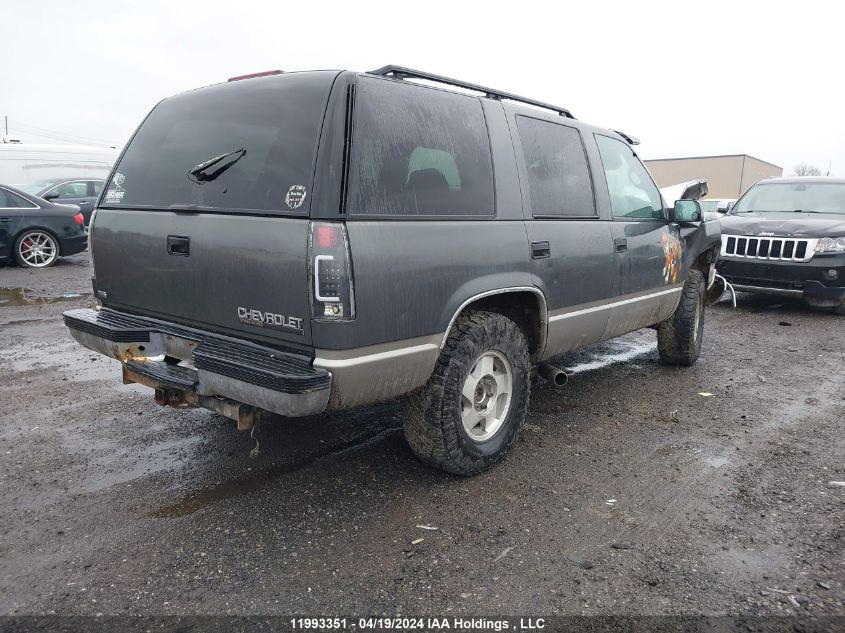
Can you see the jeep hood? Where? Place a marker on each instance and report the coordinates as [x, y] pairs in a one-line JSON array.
[[786, 224]]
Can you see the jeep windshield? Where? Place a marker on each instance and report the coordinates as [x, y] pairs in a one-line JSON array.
[[237, 146], [804, 197]]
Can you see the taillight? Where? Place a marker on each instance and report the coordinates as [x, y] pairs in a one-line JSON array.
[[79, 219], [332, 293]]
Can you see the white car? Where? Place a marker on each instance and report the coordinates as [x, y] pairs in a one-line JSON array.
[[690, 190], [718, 205], [711, 208]]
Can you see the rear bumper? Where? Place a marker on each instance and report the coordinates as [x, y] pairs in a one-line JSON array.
[[224, 368], [73, 245], [821, 280]]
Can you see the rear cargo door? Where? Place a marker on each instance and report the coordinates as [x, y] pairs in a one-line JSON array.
[[204, 221]]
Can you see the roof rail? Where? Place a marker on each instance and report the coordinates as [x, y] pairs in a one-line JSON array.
[[632, 140], [400, 72]]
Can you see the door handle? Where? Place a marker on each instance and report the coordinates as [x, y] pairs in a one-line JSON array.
[[620, 245], [179, 245], [540, 250], [82, 203]]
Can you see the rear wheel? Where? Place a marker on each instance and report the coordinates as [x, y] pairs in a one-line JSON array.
[[469, 414], [679, 336], [36, 249]]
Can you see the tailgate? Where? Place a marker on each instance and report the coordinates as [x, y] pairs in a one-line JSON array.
[[204, 220], [243, 275]]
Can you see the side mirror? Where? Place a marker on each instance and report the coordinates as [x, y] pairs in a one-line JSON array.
[[729, 206], [51, 196], [686, 211]]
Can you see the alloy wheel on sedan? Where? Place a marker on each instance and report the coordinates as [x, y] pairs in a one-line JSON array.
[[37, 249]]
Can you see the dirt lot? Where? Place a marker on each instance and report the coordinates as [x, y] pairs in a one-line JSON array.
[[111, 504]]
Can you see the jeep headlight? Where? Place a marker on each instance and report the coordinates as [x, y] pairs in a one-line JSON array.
[[831, 245]]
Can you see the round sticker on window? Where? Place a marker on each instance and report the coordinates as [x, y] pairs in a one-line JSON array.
[[295, 196]]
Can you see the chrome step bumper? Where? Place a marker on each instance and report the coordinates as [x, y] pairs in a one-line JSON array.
[[243, 372]]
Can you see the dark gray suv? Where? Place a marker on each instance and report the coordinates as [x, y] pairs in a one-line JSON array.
[[314, 241], [82, 192]]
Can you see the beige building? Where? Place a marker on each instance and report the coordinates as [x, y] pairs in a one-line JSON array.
[[727, 176]]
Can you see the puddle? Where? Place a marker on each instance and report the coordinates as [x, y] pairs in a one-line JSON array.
[[809, 406], [110, 466], [716, 462], [254, 481], [618, 351], [71, 359], [11, 297]]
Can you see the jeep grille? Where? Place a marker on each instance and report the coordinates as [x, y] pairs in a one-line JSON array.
[[770, 248]]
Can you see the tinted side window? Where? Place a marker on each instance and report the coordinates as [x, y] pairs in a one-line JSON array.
[[632, 192], [558, 175], [72, 190], [419, 151], [94, 187]]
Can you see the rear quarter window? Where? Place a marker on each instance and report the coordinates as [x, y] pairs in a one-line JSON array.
[[558, 174], [418, 151], [265, 129], [9, 200]]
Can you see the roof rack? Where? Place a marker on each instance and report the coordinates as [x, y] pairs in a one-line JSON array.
[[400, 72]]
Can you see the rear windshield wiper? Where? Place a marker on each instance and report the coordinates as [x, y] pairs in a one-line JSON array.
[[199, 173]]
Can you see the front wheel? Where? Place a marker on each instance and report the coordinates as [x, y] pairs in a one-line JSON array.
[[679, 336], [36, 249], [468, 416]]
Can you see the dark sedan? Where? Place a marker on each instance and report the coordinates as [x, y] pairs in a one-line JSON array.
[[34, 232], [81, 192]]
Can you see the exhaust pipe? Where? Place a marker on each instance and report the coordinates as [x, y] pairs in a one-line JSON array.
[[554, 375]]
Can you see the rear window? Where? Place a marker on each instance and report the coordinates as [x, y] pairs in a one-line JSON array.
[[419, 151], [558, 175], [248, 145]]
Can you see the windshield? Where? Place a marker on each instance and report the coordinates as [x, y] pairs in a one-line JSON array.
[[804, 197], [243, 145], [38, 186]]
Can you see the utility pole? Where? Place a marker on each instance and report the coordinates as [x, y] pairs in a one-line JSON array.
[[7, 124]]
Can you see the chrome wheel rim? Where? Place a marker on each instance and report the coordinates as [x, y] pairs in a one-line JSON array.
[[486, 396], [38, 249]]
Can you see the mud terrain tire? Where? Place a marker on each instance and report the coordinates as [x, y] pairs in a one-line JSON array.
[[679, 336], [435, 417]]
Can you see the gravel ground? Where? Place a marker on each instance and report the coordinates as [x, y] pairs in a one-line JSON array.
[[632, 491]]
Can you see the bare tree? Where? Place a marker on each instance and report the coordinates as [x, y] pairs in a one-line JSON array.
[[803, 169]]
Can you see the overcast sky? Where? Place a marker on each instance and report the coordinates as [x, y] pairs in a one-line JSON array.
[[687, 78]]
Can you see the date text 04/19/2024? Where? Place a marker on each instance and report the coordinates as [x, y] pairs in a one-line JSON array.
[[417, 624]]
